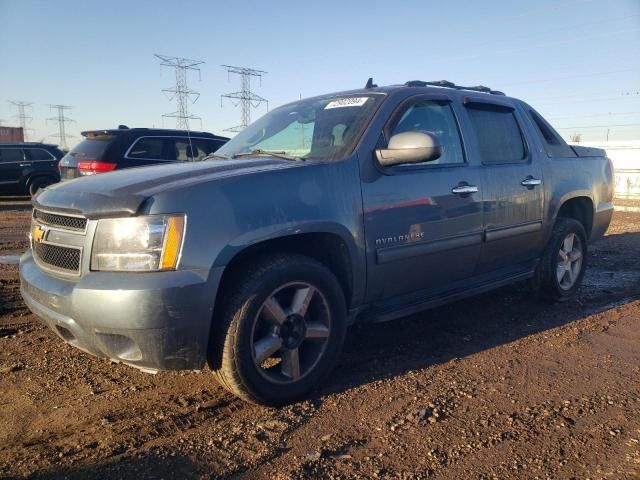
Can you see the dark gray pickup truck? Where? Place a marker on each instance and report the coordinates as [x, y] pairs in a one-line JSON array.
[[366, 205]]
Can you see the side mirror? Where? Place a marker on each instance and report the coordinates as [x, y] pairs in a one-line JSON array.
[[410, 147]]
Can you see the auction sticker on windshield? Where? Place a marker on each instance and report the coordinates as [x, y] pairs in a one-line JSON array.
[[347, 102]]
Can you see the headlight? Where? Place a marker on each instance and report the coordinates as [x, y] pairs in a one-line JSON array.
[[138, 244]]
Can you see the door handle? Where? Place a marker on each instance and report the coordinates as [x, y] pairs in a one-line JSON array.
[[464, 189], [530, 182], [25, 164]]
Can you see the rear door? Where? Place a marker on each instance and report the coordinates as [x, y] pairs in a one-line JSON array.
[[42, 162], [423, 232], [12, 164], [514, 190]]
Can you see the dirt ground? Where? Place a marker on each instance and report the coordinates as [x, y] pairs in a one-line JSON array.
[[497, 386]]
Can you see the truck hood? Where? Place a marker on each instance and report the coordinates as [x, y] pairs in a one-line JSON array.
[[122, 193]]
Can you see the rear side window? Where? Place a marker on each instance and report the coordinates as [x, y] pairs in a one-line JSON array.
[[10, 155], [435, 117], [499, 136], [553, 143], [547, 134], [194, 150], [150, 147], [92, 148], [37, 154]]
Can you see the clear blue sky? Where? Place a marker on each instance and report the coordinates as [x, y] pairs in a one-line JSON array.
[[577, 61]]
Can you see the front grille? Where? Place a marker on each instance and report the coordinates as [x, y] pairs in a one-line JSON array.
[[60, 221], [57, 257]]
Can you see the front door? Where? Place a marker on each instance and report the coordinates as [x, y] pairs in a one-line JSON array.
[[423, 222], [12, 162]]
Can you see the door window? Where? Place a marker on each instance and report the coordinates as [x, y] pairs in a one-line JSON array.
[[11, 155], [437, 118], [149, 147], [38, 154], [499, 137]]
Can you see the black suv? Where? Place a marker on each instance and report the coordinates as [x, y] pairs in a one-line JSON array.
[[28, 167], [105, 150]]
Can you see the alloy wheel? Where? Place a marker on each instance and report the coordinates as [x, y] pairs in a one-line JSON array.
[[569, 261], [290, 332]]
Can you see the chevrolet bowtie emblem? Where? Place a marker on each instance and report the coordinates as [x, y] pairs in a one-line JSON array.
[[37, 234]]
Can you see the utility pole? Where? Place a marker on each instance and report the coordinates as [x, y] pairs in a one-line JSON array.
[[22, 116], [61, 120], [181, 91], [245, 97]]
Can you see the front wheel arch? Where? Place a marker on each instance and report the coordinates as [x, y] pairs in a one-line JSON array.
[[230, 351], [37, 179]]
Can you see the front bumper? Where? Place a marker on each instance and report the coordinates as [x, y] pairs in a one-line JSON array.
[[152, 321]]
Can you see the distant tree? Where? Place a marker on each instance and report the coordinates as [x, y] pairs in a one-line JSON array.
[[575, 137]]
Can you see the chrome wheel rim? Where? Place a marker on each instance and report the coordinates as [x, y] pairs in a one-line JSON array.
[[569, 261], [290, 332]]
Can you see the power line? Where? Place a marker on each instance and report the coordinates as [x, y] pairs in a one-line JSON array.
[[61, 120], [245, 97], [545, 11], [561, 29], [574, 38], [594, 99], [628, 93], [181, 91], [602, 126], [22, 116], [602, 114], [607, 72]]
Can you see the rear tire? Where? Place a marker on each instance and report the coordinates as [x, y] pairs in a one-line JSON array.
[[280, 330], [564, 261], [38, 183]]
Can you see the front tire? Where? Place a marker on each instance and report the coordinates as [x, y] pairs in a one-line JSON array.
[[281, 329], [563, 264]]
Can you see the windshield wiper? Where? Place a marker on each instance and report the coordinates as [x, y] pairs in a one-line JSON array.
[[266, 153], [213, 156]]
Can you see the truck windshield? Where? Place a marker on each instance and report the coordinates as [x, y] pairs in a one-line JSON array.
[[323, 128]]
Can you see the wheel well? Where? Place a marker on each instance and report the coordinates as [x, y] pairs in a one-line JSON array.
[[37, 176], [580, 208], [327, 248]]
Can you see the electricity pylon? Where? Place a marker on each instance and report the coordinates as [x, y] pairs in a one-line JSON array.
[[181, 91], [61, 120], [245, 97]]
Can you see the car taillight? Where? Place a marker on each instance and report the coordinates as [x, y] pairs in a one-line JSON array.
[[91, 167]]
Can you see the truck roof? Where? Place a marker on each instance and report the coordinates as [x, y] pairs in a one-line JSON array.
[[426, 85]]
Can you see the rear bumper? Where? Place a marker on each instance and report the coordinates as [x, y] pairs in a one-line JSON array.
[[152, 321], [601, 220]]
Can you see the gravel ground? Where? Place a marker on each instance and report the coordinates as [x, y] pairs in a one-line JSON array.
[[497, 386]]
